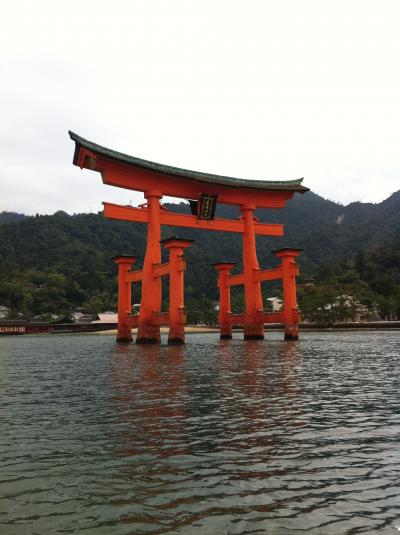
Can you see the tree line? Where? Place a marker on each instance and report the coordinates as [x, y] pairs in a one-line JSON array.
[[54, 264]]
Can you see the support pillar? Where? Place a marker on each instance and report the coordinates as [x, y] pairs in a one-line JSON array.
[[224, 269], [148, 333], [254, 322], [290, 310], [125, 264], [177, 317]]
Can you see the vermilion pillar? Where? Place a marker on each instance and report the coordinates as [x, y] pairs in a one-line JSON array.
[[124, 263], [289, 272], [148, 333], [254, 323], [224, 269], [177, 266]]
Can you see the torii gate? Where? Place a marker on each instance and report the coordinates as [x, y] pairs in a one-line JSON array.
[[203, 191]]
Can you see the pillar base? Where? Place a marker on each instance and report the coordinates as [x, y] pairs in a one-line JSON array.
[[124, 339], [253, 331], [148, 334], [225, 331], [291, 337], [253, 337], [176, 335], [291, 332], [124, 333], [144, 340], [176, 341]]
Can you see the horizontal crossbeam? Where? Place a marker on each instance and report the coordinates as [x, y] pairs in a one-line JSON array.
[[141, 215], [160, 318], [269, 274], [133, 320], [267, 317], [235, 280], [134, 276], [161, 270], [266, 275]]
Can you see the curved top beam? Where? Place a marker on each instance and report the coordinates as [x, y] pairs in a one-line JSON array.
[[197, 176]]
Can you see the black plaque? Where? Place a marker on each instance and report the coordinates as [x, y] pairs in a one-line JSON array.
[[207, 205]]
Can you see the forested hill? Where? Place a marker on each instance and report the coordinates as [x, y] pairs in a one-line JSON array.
[[11, 217], [58, 262]]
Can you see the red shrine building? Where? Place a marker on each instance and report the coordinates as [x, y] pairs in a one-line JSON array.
[[203, 191]]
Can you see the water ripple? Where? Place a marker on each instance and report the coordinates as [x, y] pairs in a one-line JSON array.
[[214, 438]]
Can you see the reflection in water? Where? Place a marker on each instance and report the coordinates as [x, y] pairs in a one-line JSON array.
[[216, 437], [152, 385]]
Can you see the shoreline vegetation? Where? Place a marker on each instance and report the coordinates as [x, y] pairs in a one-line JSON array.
[[53, 267]]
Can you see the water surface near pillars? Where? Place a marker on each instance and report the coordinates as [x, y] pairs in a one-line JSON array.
[[215, 437]]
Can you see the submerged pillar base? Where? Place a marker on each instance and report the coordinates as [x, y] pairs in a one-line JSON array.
[[148, 334], [124, 334], [291, 332], [225, 336], [147, 341], [176, 341], [124, 339], [253, 331], [253, 337], [225, 331], [176, 335]]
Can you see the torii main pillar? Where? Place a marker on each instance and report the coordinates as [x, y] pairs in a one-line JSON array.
[[254, 322], [148, 333]]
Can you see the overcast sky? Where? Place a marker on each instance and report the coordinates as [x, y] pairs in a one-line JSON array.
[[252, 89]]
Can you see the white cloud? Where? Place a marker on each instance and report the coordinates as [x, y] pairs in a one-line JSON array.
[[262, 89]]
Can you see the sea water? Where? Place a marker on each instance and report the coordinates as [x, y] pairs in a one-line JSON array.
[[216, 437]]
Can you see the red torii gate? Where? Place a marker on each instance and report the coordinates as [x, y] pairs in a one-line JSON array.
[[203, 191]]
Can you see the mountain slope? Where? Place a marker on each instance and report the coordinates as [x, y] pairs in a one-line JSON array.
[[64, 261]]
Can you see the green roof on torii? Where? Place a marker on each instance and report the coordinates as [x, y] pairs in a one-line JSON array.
[[281, 185]]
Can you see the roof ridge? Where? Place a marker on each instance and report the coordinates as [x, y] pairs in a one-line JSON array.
[[294, 184]]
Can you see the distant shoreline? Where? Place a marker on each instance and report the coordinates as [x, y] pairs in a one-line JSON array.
[[111, 329], [352, 326]]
